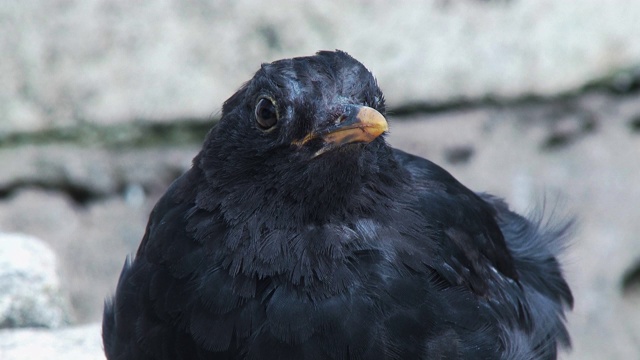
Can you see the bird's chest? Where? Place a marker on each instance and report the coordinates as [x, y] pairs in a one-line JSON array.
[[288, 288], [330, 257]]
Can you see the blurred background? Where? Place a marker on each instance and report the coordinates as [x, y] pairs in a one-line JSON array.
[[104, 102]]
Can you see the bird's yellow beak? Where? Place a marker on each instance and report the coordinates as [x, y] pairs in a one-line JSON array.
[[357, 124]]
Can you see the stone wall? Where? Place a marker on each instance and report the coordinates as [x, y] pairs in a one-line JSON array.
[[105, 62]]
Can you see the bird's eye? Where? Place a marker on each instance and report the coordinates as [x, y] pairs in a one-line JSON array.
[[266, 114]]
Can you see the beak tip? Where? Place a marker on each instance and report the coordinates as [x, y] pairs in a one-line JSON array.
[[372, 122]]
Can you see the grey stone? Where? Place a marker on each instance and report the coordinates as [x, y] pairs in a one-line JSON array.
[[90, 172], [69, 63], [85, 203], [74, 343], [60, 166], [31, 294], [85, 239], [96, 234]]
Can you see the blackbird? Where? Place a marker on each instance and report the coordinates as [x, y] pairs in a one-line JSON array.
[[299, 233]]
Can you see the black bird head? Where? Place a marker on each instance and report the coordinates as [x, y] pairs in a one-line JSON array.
[[304, 134], [307, 106]]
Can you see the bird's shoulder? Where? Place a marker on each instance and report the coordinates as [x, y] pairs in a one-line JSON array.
[[472, 248]]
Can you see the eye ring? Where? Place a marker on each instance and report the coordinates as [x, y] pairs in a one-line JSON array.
[[266, 113]]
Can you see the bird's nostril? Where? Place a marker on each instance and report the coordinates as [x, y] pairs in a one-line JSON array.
[[340, 119]]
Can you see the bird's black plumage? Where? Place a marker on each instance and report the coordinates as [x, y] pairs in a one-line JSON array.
[[300, 234]]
